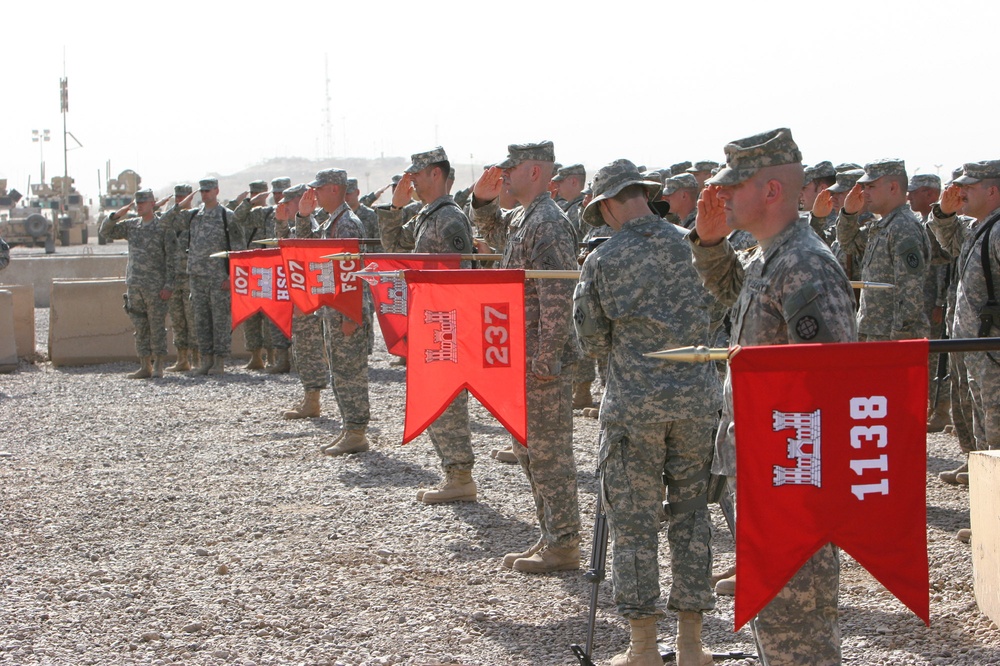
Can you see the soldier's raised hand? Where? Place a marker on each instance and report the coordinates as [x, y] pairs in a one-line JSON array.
[[855, 199], [161, 202], [259, 199], [951, 199], [121, 212], [185, 203], [242, 195], [710, 220], [401, 195], [823, 205], [283, 212], [490, 182], [307, 202]]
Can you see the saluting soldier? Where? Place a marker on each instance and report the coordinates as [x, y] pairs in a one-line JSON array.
[[149, 278]]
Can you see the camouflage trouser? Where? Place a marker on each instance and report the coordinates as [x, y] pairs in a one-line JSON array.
[[148, 313], [548, 459], [584, 370], [310, 351], [254, 332], [213, 316], [451, 435], [276, 337], [984, 386], [348, 356], [634, 458], [181, 318], [961, 401], [800, 626]]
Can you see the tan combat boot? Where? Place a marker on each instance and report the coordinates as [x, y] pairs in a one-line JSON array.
[[548, 559], [204, 365], [642, 650], [307, 409], [510, 558], [218, 366], [352, 440], [145, 370], [458, 486], [581, 396], [281, 363], [689, 649], [964, 535], [726, 587], [256, 361], [158, 366], [182, 364], [951, 476]]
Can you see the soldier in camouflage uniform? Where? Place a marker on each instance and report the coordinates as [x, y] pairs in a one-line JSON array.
[[346, 342], [679, 168], [179, 306], [149, 278], [541, 238], [977, 193], [819, 177], [210, 229], [681, 192], [439, 227], [897, 252], [570, 181], [639, 292], [795, 292], [369, 226], [258, 222]]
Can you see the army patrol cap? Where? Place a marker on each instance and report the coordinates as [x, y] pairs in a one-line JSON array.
[[182, 190], [819, 170], [421, 161], [882, 168], [144, 195], [571, 170], [281, 184], [352, 185], [258, 186], [655, 174], [679, 168], [208, 184], [294, 192], [847, 166], [330, 177], [744, 157], [846, 180], [395, 179], [956, 173], [517, 153], [973, 172], [923, 180], [684, 181], [609, 181], [700, 167]]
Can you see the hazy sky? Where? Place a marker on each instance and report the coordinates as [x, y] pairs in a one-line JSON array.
[[181, 89]]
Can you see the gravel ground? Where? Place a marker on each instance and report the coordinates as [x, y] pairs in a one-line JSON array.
[[180, 521]]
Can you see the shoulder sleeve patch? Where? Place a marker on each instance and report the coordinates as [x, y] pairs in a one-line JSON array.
[[584, 323]]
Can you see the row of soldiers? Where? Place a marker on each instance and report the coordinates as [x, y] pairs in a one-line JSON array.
[[777, 273]]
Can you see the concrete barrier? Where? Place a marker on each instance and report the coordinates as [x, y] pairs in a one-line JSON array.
[[87, 324], [24, 318], [40, 271], [8, 347], [984, 479]]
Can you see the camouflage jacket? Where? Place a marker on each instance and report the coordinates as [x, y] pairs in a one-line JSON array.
[[574, 211], [541, 238], [440, 227], [639, 292], [897, 252], [150, 250], [790, 289], [205, 231], [394, 228], [369, 224], [257, 222], [174, 223], [964, 239], [341, 223]]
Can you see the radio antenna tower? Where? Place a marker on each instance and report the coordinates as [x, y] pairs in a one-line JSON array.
[[327, 123]]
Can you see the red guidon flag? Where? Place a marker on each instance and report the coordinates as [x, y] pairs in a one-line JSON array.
[[314, 281], [465, 331], [831, 446], [389, 291], [258, 284]]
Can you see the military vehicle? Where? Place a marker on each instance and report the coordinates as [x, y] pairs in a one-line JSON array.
[[120, 192], [22, 225]]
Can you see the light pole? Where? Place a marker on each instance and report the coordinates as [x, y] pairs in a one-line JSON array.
[[40, 137]]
